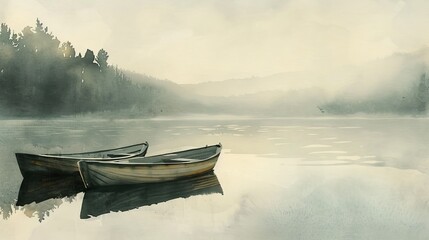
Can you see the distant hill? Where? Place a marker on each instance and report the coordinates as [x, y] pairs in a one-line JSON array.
[[164, 97], [286, 81], [398, 84], [154, 82], [389, 85], [293, 103]]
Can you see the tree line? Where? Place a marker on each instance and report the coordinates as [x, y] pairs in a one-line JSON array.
[[39, 75], [409, 101]]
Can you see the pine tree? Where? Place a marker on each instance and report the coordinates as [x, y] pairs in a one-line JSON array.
[[101, 59]]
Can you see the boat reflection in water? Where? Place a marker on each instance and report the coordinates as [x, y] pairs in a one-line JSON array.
[[40, 188], [39, 196], [123, 198]]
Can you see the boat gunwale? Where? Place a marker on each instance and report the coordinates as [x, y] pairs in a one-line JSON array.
[[70, 157], [115, 162]]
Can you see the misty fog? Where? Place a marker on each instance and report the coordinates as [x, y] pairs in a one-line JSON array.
[[320, 107], [270, 58]]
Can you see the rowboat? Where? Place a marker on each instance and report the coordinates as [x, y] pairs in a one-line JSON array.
[[99, 201], [158, 168], [66, 164]]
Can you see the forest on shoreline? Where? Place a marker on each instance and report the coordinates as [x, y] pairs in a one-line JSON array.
[[41, 76]]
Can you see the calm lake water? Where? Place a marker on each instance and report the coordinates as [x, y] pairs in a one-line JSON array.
[[275, 179]]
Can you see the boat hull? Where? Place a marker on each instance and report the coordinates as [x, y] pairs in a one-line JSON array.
[[66, 164], [30, 165], [96, 174]]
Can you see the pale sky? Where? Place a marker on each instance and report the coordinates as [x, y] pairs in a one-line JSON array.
[[190, 41]]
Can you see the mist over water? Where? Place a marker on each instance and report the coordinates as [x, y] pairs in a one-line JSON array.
[[271, 79], [40, 76], [323, 178]]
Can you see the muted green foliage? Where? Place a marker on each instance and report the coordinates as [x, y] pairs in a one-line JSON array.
[[39, 75], [101, 59]]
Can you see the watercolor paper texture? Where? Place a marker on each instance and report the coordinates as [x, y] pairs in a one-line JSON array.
[[320, 107]]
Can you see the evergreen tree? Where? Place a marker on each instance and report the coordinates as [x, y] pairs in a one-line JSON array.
[[89, 57], [101, 59], [68, 50]]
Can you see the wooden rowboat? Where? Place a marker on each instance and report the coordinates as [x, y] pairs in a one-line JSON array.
[[66, 164], [104, 200], [158, 168]]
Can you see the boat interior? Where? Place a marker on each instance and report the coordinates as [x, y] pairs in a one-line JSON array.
[[112, 153], [178, 157]]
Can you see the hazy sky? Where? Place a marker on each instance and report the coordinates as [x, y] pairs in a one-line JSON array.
[[194, 40]]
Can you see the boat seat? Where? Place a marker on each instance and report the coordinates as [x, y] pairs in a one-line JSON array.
[[113, 155], [177, 160]]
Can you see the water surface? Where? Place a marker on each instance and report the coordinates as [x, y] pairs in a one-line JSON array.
[[275, 179]]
